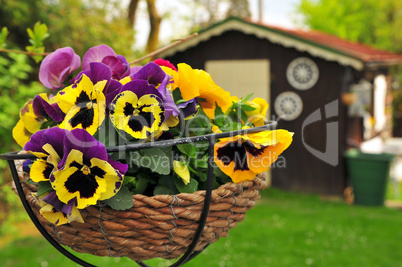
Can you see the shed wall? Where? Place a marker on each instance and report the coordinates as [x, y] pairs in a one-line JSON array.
[[298, 169]]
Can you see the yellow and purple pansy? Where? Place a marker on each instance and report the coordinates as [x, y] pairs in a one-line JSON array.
[[99, 72], [57, 212], [86, 173], [28, 124], [47, 107], [243, 157], [48, 146], [153, 74], [33, 115], [84, 105], [138, 109], [76, 164]]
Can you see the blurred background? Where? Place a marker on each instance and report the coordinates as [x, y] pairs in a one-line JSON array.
[[330, 70]]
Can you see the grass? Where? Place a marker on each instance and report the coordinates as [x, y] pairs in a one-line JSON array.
[[284, 229], [394, 191]]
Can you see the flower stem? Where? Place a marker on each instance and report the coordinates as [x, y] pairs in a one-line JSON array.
[[23, 52]]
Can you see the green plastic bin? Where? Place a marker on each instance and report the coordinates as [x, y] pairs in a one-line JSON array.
[[369, 175]]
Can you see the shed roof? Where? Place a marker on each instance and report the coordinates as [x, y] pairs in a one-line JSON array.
[[314, 42]]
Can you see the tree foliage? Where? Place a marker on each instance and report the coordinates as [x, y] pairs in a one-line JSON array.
[[239, 8], [15, 91], [208, 12], [76, 23], [373, 22]]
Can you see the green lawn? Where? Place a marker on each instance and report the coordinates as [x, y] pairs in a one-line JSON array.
[[284, 229]]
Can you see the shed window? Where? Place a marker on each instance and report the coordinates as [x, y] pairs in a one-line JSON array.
[[241, 77]]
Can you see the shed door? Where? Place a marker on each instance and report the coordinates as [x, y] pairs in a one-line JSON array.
[[241, 77]]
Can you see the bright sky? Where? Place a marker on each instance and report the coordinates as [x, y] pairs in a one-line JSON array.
[[175, 25]]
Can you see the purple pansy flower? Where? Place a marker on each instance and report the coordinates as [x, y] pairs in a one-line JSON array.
[[151, 72], [168, 102], [52, 136], [57, 66], [106, 55], [43, 108], [134, 69], [26, 166]]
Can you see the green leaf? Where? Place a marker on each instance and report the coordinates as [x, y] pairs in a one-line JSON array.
[[177, 95], [221, 176], [162, 190], [232, 122], [43, 188], [247, 107], [244, 99], [136, 185], [3, 37], [203, 176], [238, 113], [191, 169], [191, 187], [123, 200], [156, 159], [168, 182], [37, 35], [219, 115], [181, 102], [243, 116], [31, 33], [200, 124], [201, 163], [188, 149], [29, 181], [160, 159], [135, 157], [40, 30]]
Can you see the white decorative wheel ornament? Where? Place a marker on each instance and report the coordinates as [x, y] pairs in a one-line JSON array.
[[302, 73], [288, 105]]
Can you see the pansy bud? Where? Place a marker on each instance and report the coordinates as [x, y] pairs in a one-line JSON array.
[[57, 66], [257, 116]]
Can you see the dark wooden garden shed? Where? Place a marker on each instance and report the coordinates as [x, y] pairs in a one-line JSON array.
[[322, 88]]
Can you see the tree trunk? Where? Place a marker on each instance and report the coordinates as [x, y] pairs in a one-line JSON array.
[[132, 9], [154, 22]]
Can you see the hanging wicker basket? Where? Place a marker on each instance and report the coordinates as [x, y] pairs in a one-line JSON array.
[[158, 226]]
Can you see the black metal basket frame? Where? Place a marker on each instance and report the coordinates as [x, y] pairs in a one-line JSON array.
[[189, 254]]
